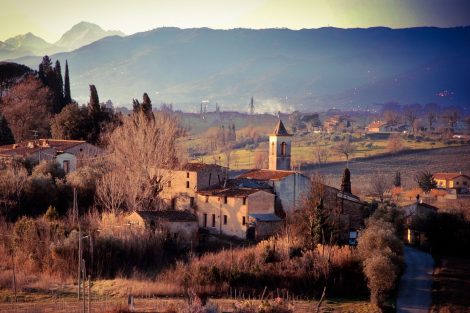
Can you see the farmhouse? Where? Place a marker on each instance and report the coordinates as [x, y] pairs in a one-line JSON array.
[[65, 152], [413, 213], [452, 180]]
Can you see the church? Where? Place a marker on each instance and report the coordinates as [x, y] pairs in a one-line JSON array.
[[254, 204]]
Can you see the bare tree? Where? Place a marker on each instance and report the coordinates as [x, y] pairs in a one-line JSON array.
[[347, 148], [13, 182], [144, 151], [391, 117], [394, 143], [111, 191], [321, 154], [380, 184], [261, 159], [410, 113]]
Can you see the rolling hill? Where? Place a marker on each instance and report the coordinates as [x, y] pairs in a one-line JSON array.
[[308, 69]]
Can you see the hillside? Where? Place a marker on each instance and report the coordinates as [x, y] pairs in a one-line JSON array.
[[308, 69]]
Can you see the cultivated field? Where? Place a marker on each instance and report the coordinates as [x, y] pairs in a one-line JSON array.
[[450, 159]]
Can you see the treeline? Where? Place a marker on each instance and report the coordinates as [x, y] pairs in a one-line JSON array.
[[40, 104]]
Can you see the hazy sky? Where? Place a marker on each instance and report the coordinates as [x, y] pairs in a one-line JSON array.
[[49, 19]]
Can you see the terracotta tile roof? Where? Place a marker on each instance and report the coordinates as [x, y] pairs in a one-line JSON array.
[[229, 192], [196, 167], [169, 215], [29, 147], [377, 124], [448, 175], [24, 151], [266, 175], [280, 130]]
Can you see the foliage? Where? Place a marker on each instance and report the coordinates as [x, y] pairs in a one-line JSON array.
[[6, 136], [26, 108], [71, 123], [397, 179], [381, 252], [49, 167], [426, 181]]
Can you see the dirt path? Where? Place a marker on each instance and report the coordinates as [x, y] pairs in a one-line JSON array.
[[414, 294]]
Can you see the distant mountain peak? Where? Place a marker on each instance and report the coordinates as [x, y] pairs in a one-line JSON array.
[[82, 34]]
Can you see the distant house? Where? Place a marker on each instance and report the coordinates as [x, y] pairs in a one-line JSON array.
[[38, 150], [418, 211], [452, 181], [384, 127], [180, 225], [337, 123]]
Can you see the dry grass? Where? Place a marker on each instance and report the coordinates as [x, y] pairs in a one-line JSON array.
[[451, 290]]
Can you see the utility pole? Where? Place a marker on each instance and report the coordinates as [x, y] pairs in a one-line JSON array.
[[14, 272], [79, 258], [89, 294], [84, 290]]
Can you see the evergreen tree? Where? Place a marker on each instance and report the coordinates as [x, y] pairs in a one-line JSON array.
[[146, 106], [45, 68], [94, 116], [346, 182], [6, 135], [67, 94], [136, 106], [426, 181], [58, 88], [397, 180]]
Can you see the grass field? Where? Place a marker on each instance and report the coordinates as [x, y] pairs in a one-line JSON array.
[[68, 304]]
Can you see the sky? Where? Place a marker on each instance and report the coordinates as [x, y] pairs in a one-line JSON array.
[[49, 19]]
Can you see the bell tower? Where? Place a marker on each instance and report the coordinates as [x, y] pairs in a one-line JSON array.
[[280, 148]]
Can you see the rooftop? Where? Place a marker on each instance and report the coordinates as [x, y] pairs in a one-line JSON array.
[[169, 215], [229, 192], [448, 175], [266, 175], [280, 130], [196, 167], [377, 124], [25, 148]]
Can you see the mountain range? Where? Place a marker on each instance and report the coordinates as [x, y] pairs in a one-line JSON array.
[[283, 69], [29, 44]]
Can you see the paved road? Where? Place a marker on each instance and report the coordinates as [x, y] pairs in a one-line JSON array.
[[414, 293]]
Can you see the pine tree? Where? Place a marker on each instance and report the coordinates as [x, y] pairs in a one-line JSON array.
[[6, 136], [397, 181], [346, 182], [44, 69], [58, 88], [426, 181], [136, 106], [67, 94]]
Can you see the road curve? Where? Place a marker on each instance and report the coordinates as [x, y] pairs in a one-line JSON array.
[[414, 291]]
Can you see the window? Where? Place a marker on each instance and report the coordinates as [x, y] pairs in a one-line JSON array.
[[169, 183], [66, 166], [283, 149], [191, 201], [243, 220], [272, 149], [187, 174], [225, 199], [210, 176], [187, 184], [204, 222], [465, 183], [207, 199], [457, 183], [225, 219], [244, 201], [213, 220]]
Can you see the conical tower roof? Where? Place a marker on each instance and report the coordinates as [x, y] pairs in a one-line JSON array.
[[280, 130]]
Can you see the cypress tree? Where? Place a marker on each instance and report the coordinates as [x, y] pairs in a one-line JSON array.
[[397, 181], [346, 182], [44, 69], [58, 88], [6, 136], [94, 115], [135, 106], [67, 94]]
